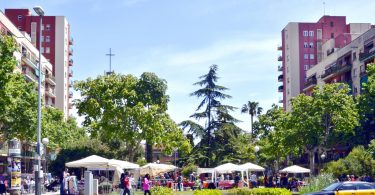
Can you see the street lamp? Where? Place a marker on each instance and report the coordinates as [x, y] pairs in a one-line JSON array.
[[175, 152], [256, 149], [45, 142], [38, 10]]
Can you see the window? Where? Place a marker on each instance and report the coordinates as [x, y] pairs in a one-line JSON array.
[[354, 56], [306, 56], [364, 186], [332, 35], [47, 50], [48, 39], [311, 45], [48, 27], [305, 45], [305, 33], [331, 24], [307, 66], [348, 186], [312, 56], [19, 17], [311, 33], [42, 26], [42, 49], [42, 38], [19, 28]]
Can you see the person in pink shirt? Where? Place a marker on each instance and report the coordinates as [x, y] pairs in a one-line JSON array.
[[146, 184]]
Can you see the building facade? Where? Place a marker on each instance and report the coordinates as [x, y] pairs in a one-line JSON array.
[[27, 57], [306, 44], [347, 65], [56, 47]]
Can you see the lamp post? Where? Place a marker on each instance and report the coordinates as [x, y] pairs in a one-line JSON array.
[[38, 10], [323, 156], [175, 153]]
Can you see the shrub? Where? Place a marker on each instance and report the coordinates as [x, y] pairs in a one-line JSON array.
[[157, 190], [317, 183], [207, 192], [188, 169], [260, 191]]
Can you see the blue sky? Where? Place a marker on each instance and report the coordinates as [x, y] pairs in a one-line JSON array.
[[179, 40]]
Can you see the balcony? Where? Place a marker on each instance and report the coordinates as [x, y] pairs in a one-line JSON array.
[[71, 52], [280, 78], [281, 88], [281, 100], [70, 105], [50, 92], [50, 79], [71, 84], [280, 58], [280, 47], [70, 73], [330, 51], [71, 41], [70, 94], [30, 75], [280, 68], [311, 82], [335, 70], [367, 56], [31, 63], [71, 62]]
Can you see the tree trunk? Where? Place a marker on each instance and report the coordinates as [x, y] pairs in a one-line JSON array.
[[149, 152], [208, 154], [312, 161], [252, 128]]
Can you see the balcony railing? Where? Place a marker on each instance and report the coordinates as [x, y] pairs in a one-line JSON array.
[[310, 82], [280, 68], [281, 88], [70, 105], [50, 79], [30, 75], [71, 84], [71, 52], [280, 78], [280, 47], [336, 69], [366, 56], [70, 94], [280, 58], [28, 61], [71, 41], [50, 92], [71, 62], [70, 73]]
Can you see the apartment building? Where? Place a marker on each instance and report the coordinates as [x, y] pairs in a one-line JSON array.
[[27, 57], [347, 64], [305, 44], [56, 47]]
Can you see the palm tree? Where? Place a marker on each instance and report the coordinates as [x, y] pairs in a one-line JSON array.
[[253, 109]]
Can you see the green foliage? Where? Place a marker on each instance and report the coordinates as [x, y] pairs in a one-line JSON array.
[[157, 190], [123, 107], [214, 113], [358, 162], [77, 150], [188, 169], [321, 120], [207, 192], [18, 99], [141, 161], [253, 109], [260, 191], [317, 183]]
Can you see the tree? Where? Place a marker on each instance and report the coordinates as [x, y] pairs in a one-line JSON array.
[[18, 100], [366, 106], [212, 111], [316, 120], [130, 109], [253, 109]]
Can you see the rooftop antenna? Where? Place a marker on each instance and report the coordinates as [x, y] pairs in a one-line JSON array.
[[110, 54], [324, 8]]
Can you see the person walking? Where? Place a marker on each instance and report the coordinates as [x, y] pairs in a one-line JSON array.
[[127, 184], [146, 184]]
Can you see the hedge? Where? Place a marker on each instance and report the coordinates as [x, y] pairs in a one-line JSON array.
[[260, 191], [157, 190], [207, 192]]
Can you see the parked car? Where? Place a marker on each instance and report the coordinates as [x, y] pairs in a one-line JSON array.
[[348, 187]]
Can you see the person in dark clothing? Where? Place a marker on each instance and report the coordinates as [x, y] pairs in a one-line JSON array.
[[237, 180]]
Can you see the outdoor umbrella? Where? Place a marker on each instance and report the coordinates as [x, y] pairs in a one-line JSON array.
[[295, 169], [155, 169]]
